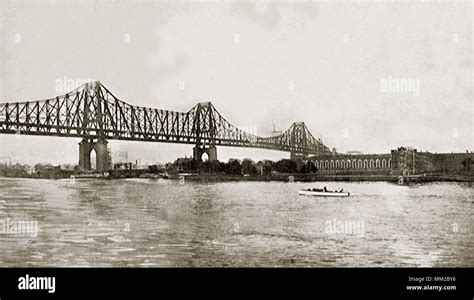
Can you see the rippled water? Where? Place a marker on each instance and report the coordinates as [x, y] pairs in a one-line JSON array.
[[145, 222]]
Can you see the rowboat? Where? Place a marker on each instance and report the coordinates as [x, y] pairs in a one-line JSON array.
[[321, 193]]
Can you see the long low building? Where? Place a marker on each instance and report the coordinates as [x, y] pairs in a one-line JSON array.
[[402, 161]]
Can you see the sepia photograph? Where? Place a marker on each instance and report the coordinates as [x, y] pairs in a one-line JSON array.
[[221, 134]]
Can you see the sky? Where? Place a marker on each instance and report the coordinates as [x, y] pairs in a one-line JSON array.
[[366, 76]]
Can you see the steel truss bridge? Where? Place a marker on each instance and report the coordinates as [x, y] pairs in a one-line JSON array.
[[93, 113]]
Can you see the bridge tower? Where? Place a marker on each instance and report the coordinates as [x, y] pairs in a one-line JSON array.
[[211, 152], [93, 118], [298, 156], [299, 139], [205, 125], [102, 154]]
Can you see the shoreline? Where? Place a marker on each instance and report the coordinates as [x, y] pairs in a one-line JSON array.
[[274, 177], [316, 178]]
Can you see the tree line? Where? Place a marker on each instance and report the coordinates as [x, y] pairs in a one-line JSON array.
[[244, 167]]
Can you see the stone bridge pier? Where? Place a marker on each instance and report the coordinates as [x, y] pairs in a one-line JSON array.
[[102, 155], [211, 152], [297, 156]]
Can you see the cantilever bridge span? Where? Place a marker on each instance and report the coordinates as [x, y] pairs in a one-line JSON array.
[[93, 113]]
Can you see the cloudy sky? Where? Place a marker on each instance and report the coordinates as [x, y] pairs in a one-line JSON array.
[[363, 76]]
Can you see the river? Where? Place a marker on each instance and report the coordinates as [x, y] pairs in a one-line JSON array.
[[165, 223]]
